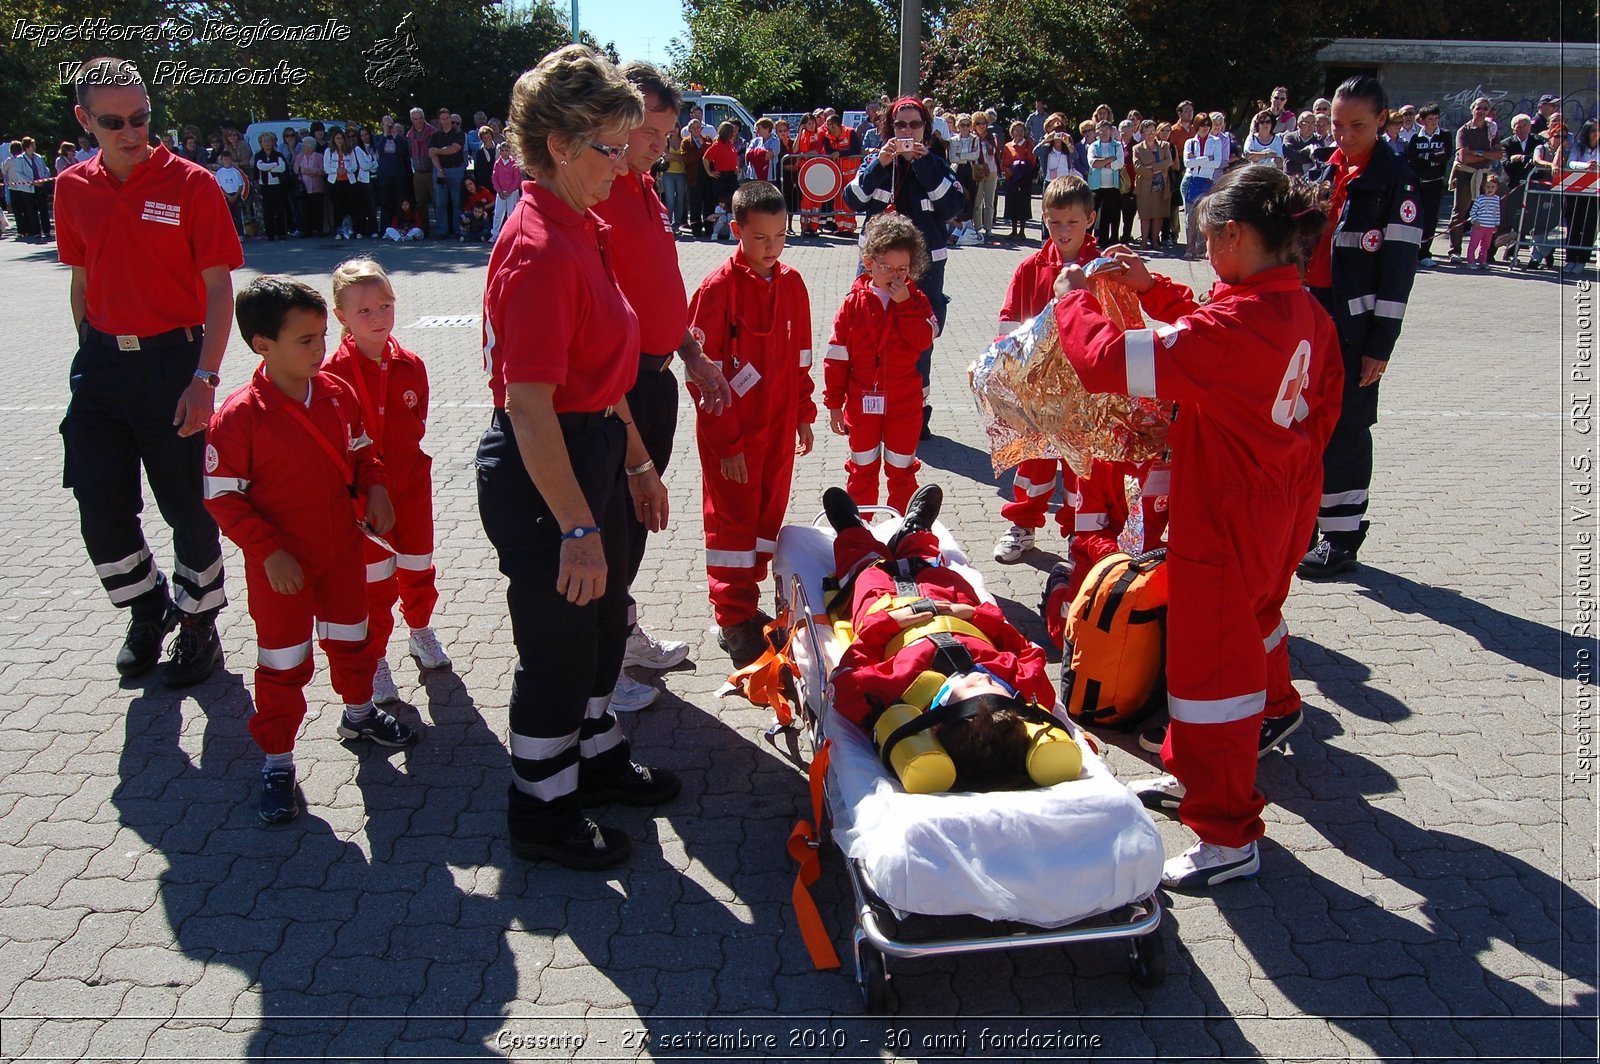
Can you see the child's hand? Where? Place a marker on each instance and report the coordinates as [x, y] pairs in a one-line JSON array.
[[1070, 279], [836, 423], [283, 573], [735, 470], [805, 440], [1136, 275], [380, 511], [899, 291]]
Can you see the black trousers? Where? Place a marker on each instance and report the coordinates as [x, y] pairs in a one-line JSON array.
[[699, 192], [391, 189], [119, 419], [568, 657], [1432, 195], [1347, 460], [275, 211], [654, 405], [1108, 211], [26, 206]]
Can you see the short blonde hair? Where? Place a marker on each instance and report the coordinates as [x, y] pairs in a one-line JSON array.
[[573, 93], [352, 272]]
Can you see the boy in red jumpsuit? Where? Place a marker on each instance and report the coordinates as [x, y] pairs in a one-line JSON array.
[[287, 455], [755, 314], [392, 386], [871, 386], [1068, 216], [1258, 373], [1003, 672]]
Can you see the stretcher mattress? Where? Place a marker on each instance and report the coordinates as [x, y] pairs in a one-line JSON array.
[[1048, 856]]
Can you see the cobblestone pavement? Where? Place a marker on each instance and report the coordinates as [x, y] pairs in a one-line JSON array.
[[1427, 883]]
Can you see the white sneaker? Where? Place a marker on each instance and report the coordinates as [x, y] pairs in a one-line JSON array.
[[425, 647], [1163, 794], [646, 651], [1206, 865], [630, 696], [1014, 544], [384, 692]]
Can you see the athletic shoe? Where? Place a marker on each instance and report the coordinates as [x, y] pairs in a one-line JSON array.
[[384, 692], [141, 649], [1326, 560], [196, 653], [426, 648], [633, 785], [1163, 794], [744, 641], [1153, 737], [381, 728], [630, 696], [646, 651], [278, 802], [1205, 865], [1014, 544], [1426, 262], [1455, 257], [1274, 730]]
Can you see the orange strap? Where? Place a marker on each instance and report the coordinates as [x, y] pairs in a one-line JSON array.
[[805, 846], [762, 681]]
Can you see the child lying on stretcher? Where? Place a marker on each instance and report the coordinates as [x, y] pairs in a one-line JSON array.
[[912, 617]]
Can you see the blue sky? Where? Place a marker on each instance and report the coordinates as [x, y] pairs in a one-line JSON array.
[[640, 28]]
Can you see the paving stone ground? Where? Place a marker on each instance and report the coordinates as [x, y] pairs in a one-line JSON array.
[[1427, 885]]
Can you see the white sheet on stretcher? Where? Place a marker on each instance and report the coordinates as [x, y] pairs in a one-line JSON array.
[[1048, 856]]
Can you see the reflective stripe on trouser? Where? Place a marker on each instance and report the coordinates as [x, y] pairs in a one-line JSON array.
[[119, 421], [742, 522], [1033, 486], [889, 440], [333, 604], [566, 654], [410, 578], [1222, 613]]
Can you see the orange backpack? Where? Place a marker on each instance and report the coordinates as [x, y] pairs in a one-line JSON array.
[[1113, 661]]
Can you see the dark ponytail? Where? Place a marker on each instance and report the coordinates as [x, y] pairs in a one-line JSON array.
[[1364, 87], [1288, 213]]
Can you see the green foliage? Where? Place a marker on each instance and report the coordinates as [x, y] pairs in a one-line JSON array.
[[470, 52], [789, 55]]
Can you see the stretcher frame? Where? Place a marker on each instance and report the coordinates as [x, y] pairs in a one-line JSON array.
[[874, 935]]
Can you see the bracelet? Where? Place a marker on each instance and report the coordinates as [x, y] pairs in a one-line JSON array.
[[641, 469], [580, 532]]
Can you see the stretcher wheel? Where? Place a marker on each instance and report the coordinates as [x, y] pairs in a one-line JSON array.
[[873, 975], [1147, 957]]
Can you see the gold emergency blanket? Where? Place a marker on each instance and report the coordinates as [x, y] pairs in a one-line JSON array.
[[1036, 407]]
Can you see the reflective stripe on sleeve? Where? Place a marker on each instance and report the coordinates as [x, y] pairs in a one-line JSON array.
[[1390, 308], [1139, 346], [805, 358], [940, 189], [837, 353], [1090, 522], [1010, 326], [1362, 304], [416, 563], [1406, 234], [216, 486]]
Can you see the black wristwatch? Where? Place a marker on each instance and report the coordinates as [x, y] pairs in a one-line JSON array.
[[206, 377]]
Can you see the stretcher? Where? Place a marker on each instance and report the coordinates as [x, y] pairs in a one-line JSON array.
[[942, 874]]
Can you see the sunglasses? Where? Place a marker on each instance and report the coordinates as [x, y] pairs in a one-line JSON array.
[[908, 125], [611, 152], [112, 123]]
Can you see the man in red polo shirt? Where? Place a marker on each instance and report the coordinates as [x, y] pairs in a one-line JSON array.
[[644, 256], [151, 245]]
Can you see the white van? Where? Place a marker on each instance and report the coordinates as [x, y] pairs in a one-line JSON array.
[[252, 132], [717, 109]]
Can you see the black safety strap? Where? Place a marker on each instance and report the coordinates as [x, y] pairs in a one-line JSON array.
[[950, 655]]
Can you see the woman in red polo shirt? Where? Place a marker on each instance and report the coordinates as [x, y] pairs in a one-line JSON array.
[[561, 346], [721, 162]]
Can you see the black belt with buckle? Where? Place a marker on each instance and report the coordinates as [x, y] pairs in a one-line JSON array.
[[127, 342], [654, 363]]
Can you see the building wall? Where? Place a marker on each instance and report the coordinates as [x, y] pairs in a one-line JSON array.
[[1511, 89]]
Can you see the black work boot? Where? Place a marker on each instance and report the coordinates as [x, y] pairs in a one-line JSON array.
[[152, 616], [630, 784], [841, 510], [1334, 555], [196, 653], [574, 841], [921, 512]]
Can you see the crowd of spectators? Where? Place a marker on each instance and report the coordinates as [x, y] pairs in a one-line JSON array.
[[443, 179]]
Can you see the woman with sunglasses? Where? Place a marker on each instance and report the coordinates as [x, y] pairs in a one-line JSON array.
[[151, 246], [908, 178], [561, 461]]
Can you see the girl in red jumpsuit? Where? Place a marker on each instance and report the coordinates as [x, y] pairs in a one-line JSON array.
[[871, 386], [1258, 374]]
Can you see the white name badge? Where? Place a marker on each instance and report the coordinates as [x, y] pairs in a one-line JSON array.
[[744, 380], [872, 402]]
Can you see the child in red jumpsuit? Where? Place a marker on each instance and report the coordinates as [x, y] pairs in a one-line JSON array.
[[871, 386], [1000, 674], [1258, 375], [392, 385], [1068, 216], [755, 314], [286, 457]]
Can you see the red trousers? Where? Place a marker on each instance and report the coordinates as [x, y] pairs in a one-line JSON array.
[[407, 577], [742, 521], [332, 605], [1032, 487], [888, 439], [1228, 657]]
